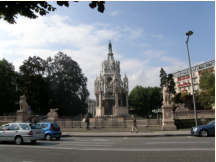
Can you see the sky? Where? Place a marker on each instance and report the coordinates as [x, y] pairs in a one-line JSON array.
[[145, 35]]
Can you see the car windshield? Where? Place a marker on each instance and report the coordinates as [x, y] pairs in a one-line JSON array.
[[35, 126], [211, 123]]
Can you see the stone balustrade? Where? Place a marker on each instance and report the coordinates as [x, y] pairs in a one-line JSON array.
[[190, 114], [8, 118]]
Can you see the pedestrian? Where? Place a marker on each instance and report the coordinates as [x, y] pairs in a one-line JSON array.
[[87, 123], [134, 124]]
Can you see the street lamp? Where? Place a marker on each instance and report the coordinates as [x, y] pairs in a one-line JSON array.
[[194, 102]]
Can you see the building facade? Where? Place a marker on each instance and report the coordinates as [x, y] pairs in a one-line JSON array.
[[110, 91], [91, 106], [182, 78]]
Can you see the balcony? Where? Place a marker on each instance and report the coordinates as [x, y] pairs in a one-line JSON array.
[[184, 90], [184, 85]]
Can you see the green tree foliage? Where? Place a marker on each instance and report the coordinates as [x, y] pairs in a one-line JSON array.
[[33, 84], [167, 80], [68, 86], [207, 86], [187, 99], [144, 100], [10, 9], [171, 84], [8, 91], [163, 78]]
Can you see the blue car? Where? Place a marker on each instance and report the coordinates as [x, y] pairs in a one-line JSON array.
[[51, 130], [204, 130]]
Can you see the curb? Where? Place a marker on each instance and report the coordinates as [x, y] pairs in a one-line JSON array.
[[153, 135]]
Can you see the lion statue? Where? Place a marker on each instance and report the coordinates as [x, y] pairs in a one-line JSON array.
[[23, 103], [166, 96]]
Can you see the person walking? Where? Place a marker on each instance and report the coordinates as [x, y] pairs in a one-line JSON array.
[[134, 124], [87, 123]]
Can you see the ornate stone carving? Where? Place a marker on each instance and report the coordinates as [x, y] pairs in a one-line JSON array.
[[23, 103], [166, 96]]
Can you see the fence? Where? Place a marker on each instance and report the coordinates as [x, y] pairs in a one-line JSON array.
[[105, 121], [190, 114], [111, 121], [69, 121]]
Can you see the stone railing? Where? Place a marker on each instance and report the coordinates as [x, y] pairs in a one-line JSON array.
[[8, 118], [190, 114]]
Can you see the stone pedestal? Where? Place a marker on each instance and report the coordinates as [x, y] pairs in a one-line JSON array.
[[167, 122], [22, 116]]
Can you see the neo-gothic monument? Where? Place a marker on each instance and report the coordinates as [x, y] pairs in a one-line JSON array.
[[111, 92]]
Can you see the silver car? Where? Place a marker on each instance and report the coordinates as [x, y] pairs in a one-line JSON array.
[[21, 132]]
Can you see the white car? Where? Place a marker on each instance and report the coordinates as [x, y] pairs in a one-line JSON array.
[[21, 132]]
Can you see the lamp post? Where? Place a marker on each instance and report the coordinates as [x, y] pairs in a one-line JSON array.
[[194, 102]]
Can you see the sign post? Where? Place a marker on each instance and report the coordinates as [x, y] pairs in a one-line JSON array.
[[28, 112]]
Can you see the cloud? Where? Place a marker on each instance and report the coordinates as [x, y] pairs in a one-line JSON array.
[[157, 36], [115, 13], [153, 53], [86, 44]]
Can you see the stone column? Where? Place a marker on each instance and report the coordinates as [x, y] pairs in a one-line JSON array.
[[116, 99], [127, 99], [167, 122]]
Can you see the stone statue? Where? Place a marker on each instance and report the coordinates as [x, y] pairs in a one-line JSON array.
[[166, 96], [52, 114], [110, 46], [23, 103]]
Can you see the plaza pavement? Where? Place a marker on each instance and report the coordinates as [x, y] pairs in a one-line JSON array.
[[179, 132]]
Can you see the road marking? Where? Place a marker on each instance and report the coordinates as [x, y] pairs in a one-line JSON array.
[[189, 137], [115, 149], [99, 140], [174, 142], [125, 138]]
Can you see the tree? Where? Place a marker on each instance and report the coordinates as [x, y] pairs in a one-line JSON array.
[[167, 80], [207, 86], [163, 78], [8, 90], [34, 85], [144, 100], [171, 84], [67, 86], [10, 9], [187, 99]]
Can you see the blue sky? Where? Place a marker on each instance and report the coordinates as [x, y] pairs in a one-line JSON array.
[[145, 36]]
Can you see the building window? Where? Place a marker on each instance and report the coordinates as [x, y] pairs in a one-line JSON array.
[[189, 88]]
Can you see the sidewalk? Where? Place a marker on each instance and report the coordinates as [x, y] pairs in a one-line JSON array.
[[180, 132]]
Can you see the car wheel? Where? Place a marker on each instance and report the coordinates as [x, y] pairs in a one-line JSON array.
[[203, 133], [57, 138], [48, 137], [18, 140], [33, 141]]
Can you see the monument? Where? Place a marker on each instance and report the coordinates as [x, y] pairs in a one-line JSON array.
[[52, 114], [110, 91], [167, 122], [22, 113]]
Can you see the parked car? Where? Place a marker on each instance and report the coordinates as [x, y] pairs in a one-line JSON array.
[[51, 130], [21, 132], [204, 130]]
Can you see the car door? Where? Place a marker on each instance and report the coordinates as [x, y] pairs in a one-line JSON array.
[[212, 128], [3, 129], [11, 132]]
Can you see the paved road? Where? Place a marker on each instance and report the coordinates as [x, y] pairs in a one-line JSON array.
[[184, 148]]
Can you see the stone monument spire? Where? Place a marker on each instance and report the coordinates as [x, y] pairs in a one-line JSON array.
[[110, 47]]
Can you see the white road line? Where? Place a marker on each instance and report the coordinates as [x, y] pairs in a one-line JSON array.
[[125, 138], [175, 142], [115, 149], [189, 137]]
